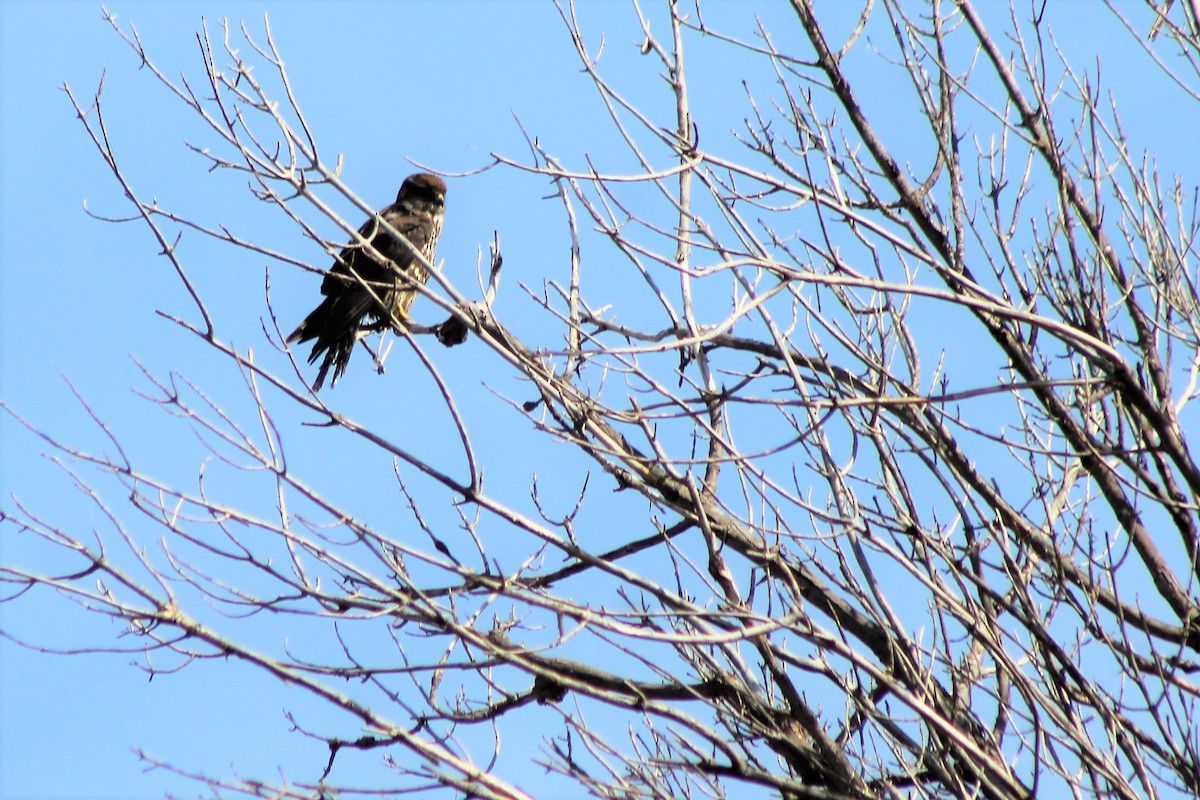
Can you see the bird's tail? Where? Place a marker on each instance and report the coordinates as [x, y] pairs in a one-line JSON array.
[[335, 337]]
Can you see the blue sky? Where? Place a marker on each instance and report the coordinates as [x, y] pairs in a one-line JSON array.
[[441, 83]]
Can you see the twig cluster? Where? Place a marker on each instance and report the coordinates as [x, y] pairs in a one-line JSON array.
[[921, 517]]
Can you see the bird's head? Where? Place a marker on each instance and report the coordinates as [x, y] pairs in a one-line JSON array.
[[422, 194]]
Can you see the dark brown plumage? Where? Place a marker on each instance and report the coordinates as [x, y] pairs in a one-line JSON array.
[[364, 294]]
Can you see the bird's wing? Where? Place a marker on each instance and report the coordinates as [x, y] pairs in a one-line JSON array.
[[352, 256], [418, 230]]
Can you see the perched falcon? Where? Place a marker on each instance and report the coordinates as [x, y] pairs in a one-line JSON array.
[[362, 293]]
